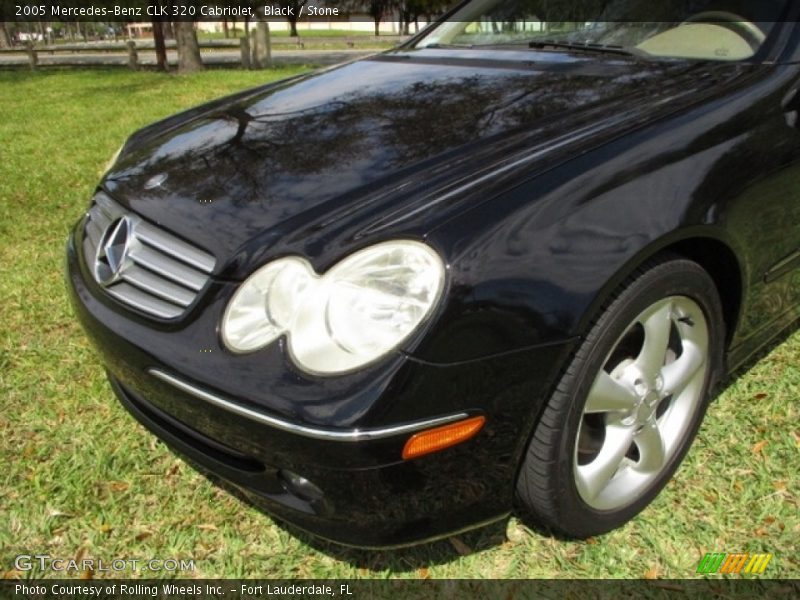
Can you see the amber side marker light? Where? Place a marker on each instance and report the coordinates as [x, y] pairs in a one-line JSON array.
[[443, 437]]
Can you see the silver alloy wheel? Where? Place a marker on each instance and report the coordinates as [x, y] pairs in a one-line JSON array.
[[641, 404]]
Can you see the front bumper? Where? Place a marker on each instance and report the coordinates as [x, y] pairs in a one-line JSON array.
[[362, 493]]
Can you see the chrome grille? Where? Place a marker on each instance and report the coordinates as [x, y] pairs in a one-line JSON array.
[[141, 265]]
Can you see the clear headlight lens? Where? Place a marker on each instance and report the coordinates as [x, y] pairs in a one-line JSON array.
[[357, 312]]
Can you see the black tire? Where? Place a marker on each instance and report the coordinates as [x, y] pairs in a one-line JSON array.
[[546, 490]]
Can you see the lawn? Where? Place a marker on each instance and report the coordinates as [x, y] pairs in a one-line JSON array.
[[82, 479]]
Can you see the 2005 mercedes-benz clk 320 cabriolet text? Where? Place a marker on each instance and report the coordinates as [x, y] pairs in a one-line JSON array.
[[502, 267]]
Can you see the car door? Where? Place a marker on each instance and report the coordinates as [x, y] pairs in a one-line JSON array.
[[766, 217]]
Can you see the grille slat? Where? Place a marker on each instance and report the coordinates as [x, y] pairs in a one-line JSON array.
[[175, 248], [135, 297], [100, 218], [147, 268], [95, 231], [149, 282], [89, 250], [108, 206], [168, 267]]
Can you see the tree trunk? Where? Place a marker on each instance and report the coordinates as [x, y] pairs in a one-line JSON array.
[[263, 46], [293, 23], [225, 28], [377, 27], [5, 39], [188, 51], [161, 47], [405, 21]]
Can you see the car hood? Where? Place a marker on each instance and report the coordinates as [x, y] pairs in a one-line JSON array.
[[298, 166]]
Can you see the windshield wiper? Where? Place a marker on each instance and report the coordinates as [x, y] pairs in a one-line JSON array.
[[586, 47]]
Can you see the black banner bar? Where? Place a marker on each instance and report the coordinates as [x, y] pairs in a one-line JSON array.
[[125, 11], [399, 589]]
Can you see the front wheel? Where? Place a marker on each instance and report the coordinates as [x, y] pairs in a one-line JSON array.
[[629, 404]]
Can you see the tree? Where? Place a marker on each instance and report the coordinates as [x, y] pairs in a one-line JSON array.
[[188, 51], [378, 10], [5, 39], [161, 47], [158, 37], [412, 10], [293, 8]]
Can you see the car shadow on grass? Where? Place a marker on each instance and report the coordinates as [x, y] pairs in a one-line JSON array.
[[749, 363], [409, 559], [406, 559]]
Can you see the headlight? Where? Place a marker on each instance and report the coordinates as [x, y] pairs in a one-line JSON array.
[[357, 312], [111, 162]]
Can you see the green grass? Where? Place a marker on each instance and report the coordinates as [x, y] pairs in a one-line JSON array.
[[81, 479]]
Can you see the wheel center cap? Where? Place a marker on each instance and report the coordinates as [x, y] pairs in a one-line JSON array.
[[647, 408]]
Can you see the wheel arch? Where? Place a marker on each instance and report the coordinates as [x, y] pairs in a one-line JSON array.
[[721, 263], [711, 249]]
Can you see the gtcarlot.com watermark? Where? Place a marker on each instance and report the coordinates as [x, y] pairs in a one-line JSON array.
[[45, 562]]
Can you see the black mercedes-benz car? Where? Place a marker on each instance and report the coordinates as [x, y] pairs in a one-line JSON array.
[[502, 267]]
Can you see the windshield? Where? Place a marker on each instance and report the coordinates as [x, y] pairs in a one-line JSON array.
[[724, 30]]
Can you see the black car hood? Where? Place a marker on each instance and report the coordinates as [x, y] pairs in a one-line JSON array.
[[245, 174]]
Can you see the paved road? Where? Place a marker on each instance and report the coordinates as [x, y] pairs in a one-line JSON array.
[[212, 58]]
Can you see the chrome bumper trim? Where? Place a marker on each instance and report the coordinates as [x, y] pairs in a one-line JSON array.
[[331, 435]]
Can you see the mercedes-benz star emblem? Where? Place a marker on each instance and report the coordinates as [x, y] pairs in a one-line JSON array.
[[112, 254], [155, 181]]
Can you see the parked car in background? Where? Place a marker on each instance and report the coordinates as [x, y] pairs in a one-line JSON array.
[[502, 267]]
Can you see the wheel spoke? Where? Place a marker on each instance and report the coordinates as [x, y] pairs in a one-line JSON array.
[[639, 410], [651, 448], [657, 327], [679, 374], [609, 395], [594, 477]]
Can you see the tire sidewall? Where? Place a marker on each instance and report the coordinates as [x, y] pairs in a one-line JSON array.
[[675, 278]]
